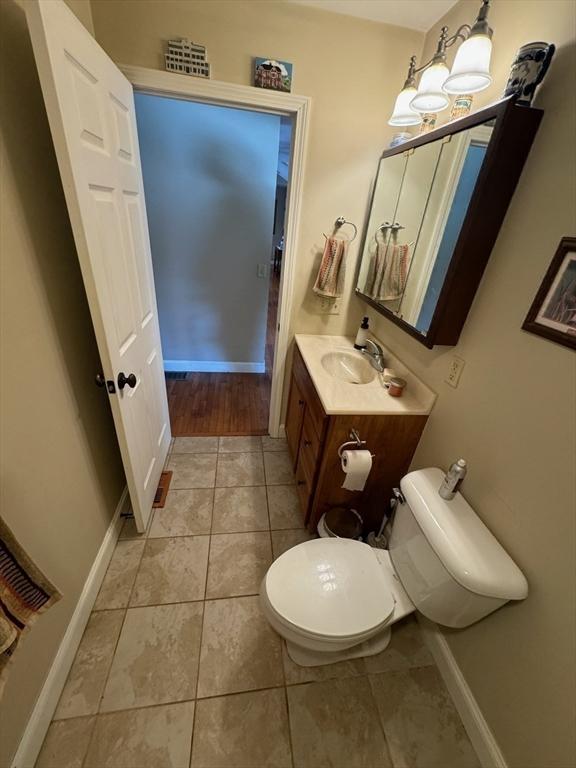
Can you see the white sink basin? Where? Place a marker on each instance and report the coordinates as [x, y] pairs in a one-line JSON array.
[[349, 367]]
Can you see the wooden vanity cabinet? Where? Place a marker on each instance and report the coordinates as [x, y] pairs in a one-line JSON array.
[[313, 441]]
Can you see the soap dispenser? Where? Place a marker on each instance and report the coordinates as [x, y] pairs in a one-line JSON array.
[[360, 342]]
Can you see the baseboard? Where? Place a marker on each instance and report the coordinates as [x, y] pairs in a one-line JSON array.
[[212, 366], [476, 726], [42, 714]]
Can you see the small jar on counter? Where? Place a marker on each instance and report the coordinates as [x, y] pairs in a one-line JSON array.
[[396, 386]]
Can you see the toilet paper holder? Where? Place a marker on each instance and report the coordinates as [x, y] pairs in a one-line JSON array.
[[354, 442]]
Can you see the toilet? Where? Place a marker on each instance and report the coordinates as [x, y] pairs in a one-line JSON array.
[[335, 599]]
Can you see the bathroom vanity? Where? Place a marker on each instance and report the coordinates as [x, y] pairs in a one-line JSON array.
[[334, 390]]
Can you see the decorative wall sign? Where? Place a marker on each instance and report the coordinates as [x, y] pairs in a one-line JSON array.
[[272, 74], [553, 311], [187, 57]]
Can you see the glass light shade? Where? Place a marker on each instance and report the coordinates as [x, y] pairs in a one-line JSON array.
[[430, 96], [471, 69], [403, 113]]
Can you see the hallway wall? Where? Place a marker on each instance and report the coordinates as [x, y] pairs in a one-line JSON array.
[[60, 471], [210, 181]]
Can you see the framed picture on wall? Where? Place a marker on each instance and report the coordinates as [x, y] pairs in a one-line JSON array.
[[272, 74], [553, 311]]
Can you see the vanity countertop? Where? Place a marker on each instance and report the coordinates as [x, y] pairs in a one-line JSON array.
[[340, 397]]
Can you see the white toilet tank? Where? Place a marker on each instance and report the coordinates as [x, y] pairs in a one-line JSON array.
[[449, 563]]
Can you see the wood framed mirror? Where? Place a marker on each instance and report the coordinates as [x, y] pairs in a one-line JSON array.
[[437, 206]]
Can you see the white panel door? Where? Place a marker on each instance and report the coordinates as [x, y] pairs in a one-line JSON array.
[[90, 106]]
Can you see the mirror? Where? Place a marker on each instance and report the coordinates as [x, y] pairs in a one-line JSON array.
[[419, 206]]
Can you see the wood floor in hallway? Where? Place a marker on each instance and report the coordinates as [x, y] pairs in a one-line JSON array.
[[219, 404], [225, 403]]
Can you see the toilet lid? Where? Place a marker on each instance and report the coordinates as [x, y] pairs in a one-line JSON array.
[[331, 587]]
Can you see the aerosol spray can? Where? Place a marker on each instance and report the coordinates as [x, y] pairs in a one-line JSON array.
[[453, 479]]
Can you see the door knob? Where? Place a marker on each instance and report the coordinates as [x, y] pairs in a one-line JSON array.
[[123, 380]]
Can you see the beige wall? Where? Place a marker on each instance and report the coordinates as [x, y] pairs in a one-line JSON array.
[[350, 67], [518, 439], [61, 475], [513, 415]]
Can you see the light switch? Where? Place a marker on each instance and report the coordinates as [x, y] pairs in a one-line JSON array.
[[261, 270]]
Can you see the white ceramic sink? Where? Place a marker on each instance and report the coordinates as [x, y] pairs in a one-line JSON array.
[[349, 367]]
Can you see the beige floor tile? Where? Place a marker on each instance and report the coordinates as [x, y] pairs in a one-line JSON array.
[[236, 469], [119, 578], [274, 443], [237, 563], [186, 513], [172, 571], [240, 651], [128, 530], [192, 470], [422, 727], [66, 743], [282, 541], [278, 468], [239, 444], [406, 649], [295, 674], [157, 657], [240, 509], [334, 724], [247, 730], [284, 507], [157, 737], [195, 445], [85, 683]]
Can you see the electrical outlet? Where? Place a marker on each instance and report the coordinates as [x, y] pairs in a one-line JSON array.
[[329, 306], [261, 270], [455, 371]]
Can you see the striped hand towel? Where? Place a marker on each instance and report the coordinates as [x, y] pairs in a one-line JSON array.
[[24, 594], [390, 272], [330, 279]]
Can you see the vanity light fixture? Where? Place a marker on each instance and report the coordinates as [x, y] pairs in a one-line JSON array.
[[471, 68], [403, 113], [470, 72]]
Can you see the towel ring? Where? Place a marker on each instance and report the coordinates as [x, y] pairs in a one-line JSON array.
[[340, 221], [382, 230]]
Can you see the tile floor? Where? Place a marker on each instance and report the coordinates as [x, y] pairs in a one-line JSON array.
[[178, 668]]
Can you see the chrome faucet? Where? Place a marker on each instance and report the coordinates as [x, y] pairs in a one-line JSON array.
[[376, 356]]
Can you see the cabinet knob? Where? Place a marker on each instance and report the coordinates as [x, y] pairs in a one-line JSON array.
[[301, 482], [307, 443], [300, 402]]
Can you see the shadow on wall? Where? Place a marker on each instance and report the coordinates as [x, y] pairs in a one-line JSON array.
[[210, 180], [226, 289], [33, 168]]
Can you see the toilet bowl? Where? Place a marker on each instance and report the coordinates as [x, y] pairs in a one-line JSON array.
[[334, 599], [352, 598]]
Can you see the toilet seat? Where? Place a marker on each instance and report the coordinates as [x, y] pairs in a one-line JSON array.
[[333, 590]]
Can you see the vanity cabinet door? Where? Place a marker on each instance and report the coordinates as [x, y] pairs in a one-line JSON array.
[[309, 451], [294, 419]]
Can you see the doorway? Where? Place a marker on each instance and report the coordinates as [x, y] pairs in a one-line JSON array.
[[215, 180]]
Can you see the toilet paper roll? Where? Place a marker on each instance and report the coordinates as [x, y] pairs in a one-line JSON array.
[[356, 465]]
